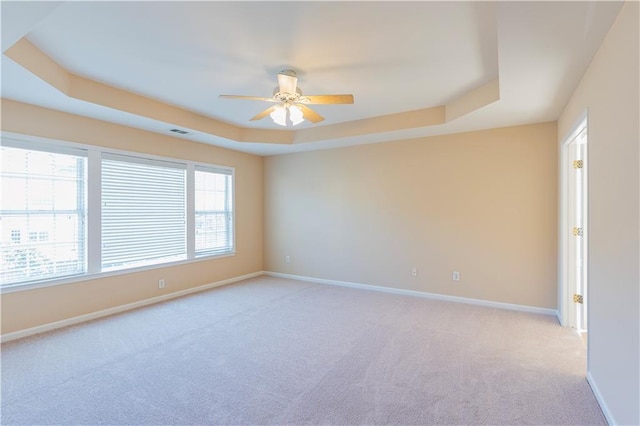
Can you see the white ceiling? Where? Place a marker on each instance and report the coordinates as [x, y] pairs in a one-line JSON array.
[[392, 56]]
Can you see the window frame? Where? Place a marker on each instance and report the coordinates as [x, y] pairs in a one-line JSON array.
[[199, 168], [79, 211], [94, 202]]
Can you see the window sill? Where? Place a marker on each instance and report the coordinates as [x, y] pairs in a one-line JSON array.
[[32, 285]]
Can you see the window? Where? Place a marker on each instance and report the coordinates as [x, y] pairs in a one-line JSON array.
[[43, 197], [213, 211], [143, 212], [70, 210], [38, 236]]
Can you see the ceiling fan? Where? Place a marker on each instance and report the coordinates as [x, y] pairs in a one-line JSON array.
[[291, 103]]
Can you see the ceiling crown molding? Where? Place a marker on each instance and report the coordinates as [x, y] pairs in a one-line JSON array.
[[35, 61]]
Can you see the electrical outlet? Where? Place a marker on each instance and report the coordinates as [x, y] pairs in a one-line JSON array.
[[161, 283], [414, 271], [287, 259], [456, 276]]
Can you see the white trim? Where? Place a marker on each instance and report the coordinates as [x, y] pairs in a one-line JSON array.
[[191, 211], [577, 127], [435, 296], [93, 230], [122, 308], [565, 302], [603, 405]]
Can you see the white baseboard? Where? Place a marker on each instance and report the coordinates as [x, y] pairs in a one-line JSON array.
[[117, 309], [435, 296], [122, 308], [603, 405]]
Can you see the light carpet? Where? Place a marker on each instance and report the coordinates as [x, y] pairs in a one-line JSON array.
[[276, 351]]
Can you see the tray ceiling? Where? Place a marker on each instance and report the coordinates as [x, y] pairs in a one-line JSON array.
[[415, 68]]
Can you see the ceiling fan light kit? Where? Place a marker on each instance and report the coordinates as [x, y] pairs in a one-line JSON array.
[[280, 114], [291, 103]]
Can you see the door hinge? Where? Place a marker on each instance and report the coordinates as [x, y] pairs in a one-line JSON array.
[[577, 232], [577, 298], [577, 164]]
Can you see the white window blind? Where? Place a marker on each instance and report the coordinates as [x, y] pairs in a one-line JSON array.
[[143, 211], [213, 211], [43, 213]]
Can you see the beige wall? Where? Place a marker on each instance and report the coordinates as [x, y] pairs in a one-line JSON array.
[[609, 90], [27, 309], [482, 203]]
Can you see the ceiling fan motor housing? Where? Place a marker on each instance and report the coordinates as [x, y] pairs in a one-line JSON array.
[[287, 97]]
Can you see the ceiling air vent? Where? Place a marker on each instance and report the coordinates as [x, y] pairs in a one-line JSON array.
[[182, 132]]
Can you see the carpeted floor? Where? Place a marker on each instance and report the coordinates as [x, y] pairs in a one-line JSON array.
[[275, 351]]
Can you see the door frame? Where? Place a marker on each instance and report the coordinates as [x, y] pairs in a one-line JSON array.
[[567, 312]]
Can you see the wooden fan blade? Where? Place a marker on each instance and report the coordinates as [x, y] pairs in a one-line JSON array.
[[249, 98], [287, 83], [310, 114], [264, 113], [327, 99]]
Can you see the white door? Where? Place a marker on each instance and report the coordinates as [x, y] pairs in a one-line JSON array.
[[575, 229]]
